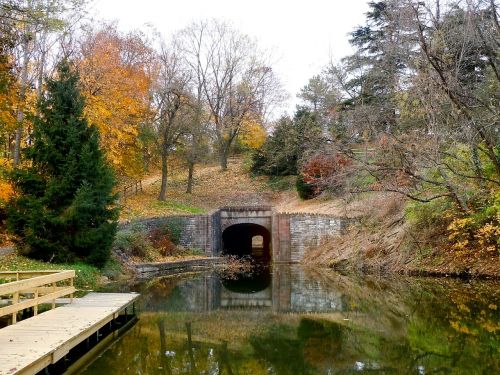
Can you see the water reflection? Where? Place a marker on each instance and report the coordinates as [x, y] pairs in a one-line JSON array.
[[308, 322]]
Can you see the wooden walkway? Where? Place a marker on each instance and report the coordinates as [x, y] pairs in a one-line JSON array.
[[33, 344]]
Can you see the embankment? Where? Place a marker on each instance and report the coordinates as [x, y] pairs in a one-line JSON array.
[[383, 241]]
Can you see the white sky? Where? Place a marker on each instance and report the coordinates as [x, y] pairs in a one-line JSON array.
[[303, 35]]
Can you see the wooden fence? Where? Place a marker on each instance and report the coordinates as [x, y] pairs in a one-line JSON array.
[[131, 189], [26, 289]]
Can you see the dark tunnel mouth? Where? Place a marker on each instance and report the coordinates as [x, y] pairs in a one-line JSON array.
[[237, 240], [249, 284]]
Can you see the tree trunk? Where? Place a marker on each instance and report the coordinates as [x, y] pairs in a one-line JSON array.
[[190, 177], [20, 112], [224, 153], [223, 160], [17, 142], [477, 166], [164, 176]]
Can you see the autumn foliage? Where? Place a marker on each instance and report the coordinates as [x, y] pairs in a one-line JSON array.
[[252, 134], [325, 171], [115, 80]]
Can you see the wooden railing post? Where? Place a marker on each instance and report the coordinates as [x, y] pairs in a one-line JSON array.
[[15, 299], [35, 308], [53, 301]]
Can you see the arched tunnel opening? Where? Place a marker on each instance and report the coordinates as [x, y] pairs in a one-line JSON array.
[[247, 240]]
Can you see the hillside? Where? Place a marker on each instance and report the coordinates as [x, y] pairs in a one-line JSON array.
[[236, 186], [213, 188]]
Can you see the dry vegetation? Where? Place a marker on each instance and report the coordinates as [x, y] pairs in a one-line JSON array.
[[383, 240]]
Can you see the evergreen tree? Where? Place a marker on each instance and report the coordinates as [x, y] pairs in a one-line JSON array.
[[64, 209], [282, 152]]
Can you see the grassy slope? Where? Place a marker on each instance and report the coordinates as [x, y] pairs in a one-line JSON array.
[[213, 188]]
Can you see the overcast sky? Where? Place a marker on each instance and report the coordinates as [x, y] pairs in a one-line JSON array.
[[303, 35]]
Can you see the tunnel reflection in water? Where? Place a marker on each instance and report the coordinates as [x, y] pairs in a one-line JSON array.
[[257, 281], [247, 240]]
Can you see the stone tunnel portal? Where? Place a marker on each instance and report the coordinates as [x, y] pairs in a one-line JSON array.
[[247, 239]]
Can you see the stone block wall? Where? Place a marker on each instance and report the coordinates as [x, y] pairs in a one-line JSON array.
[[197, 231], [215, 234], [293, 234], [310, 230]]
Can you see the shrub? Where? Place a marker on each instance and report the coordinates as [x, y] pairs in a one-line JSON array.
[[305, 190], [133, 241], [479, 231], [173, 229], [425, 215], [161, 241]]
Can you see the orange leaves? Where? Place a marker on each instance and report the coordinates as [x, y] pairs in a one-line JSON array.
[[115, 83]]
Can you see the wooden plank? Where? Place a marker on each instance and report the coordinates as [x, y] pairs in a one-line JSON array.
[[32, 344], [12, 287]]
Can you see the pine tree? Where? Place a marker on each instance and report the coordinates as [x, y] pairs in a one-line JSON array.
[[65, 208]]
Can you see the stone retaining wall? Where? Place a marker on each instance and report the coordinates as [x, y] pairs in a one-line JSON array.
[[310, 230]]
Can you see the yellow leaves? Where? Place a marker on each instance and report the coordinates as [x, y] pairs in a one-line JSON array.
[[491, 327], [478, 233], [116, 90], [487, 235], [461, 328], [462, 307], [6, 191], [457, 225], [253, 135]]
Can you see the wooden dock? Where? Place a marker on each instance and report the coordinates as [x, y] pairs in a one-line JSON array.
[[35, 343]]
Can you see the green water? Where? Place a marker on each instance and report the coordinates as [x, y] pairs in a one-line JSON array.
[[295, 321]]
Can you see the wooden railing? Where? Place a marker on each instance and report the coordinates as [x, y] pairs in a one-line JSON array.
[[26, 289]]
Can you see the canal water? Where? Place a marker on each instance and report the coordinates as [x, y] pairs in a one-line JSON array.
[[291, 320]]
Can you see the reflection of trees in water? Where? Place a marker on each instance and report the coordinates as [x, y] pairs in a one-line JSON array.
[[394, 326]]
